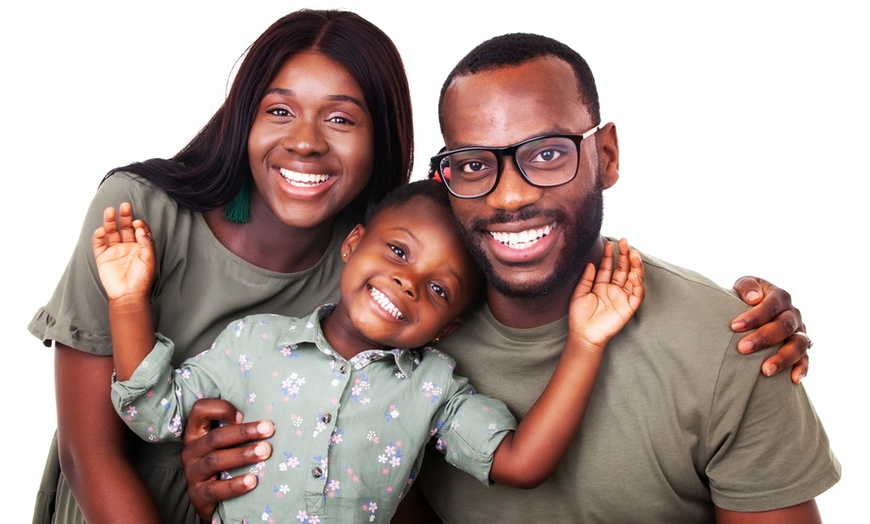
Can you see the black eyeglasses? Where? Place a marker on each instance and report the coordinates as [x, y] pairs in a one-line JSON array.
[[543, 161]]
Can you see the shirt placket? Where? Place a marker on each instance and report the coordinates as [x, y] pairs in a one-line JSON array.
[[315, 488]]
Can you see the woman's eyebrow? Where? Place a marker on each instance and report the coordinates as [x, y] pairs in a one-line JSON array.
[[338, 98]]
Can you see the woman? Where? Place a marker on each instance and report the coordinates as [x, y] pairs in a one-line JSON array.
[[316, 126], [249, 217]]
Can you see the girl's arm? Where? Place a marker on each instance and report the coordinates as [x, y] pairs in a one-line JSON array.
[[601, 306], [124, 252]]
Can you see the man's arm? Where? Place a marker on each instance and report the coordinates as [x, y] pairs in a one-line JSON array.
[[776, 320], [208, 450], [804, 513]]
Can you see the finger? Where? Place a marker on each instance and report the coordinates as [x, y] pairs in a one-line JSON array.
[[637, 266], [110, 226], [146, 243], [125, 222], [203, 460], [204, 497], [749, 289], [98, 241], [788, 355], [605, 269], [774, 303], [780, 329], [587, 280], [204, 413], [800, 370], [623, 264], [637, 292]]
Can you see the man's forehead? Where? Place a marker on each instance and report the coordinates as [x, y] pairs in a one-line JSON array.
[[505, 105]]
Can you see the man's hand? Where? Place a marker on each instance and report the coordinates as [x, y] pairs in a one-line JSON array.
[[209, 450], [776, 320]]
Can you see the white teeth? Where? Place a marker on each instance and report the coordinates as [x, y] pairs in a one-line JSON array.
[[523, 239], [303, 179], [385, 303]]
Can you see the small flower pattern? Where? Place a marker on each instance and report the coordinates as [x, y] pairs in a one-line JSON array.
[[342, 426]]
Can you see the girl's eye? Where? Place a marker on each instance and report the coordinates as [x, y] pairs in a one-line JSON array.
[[398, 251], [440, 291]]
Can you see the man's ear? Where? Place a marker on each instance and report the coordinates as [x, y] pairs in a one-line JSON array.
[[352, 241], [448, 328], [608, 155]]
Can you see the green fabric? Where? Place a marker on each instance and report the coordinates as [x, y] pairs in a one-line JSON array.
[[678, 419], [200, 287], [361, 424]]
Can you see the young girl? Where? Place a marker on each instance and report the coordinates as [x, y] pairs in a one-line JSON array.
[[353, 410]]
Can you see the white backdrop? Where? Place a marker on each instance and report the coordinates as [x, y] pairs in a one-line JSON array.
[[742, 128]]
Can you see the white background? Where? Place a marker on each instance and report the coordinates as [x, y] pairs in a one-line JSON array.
[[743, 131]]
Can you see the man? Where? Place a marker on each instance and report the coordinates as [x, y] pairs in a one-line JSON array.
[[681, 427]]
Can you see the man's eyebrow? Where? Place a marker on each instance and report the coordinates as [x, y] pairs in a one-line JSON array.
[[338, 98]]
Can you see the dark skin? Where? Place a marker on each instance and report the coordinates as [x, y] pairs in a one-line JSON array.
[[209, 451]]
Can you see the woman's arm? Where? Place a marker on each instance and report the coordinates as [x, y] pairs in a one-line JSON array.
[[777, 321], [94, 443]]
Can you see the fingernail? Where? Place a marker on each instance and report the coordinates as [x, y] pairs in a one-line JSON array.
[[264, 428], [770, 370], [240, 417], [250, 481], [737, 325], [752, 295], [261, 450]]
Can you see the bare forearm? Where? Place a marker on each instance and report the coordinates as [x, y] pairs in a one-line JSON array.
[[528, 456], [132, 334], [803, 513], [95, 461]]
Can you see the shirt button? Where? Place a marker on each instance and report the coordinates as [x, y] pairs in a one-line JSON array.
[[343, 369], [327, 418], [316, 473]]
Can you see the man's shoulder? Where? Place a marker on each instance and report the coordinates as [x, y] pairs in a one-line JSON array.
[[682, 288]]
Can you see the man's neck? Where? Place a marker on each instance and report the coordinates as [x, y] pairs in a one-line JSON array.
[[530, 312]]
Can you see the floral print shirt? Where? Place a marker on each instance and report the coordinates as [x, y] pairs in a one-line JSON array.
[[350, 434]]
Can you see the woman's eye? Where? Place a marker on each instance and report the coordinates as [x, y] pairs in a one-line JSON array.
[[278, 111], [340, 120], [398, 251], [440, 291]]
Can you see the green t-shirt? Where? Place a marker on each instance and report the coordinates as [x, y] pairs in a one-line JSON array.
[[678, 420], [200, 287]]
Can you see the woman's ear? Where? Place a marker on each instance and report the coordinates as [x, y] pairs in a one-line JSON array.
[[448, 328], [352, 241]]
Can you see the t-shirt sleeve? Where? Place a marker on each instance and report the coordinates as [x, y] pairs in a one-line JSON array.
[[767, 448], [469, 428], [77, 313]]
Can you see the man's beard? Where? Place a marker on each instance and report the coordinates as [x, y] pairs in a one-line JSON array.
[[580, 235]]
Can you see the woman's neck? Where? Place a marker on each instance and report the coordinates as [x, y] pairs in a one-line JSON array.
[[266, 243]]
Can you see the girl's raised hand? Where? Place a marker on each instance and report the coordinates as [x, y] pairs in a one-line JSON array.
[[124, 251], [604, 301]]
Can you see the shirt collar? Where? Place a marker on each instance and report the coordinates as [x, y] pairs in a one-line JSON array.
[[311, 332]]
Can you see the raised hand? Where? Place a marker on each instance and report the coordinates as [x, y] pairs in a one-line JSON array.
[[124, 251], [605, 300]]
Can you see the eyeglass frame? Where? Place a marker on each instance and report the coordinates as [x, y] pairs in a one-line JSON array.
[[501, 152]]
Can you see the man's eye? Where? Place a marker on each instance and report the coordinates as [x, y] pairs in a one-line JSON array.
[[398, 251]]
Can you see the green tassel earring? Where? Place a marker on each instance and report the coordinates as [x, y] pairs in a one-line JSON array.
[[239, 208]]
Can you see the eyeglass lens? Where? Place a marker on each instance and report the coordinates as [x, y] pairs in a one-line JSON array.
[[549, 161]]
